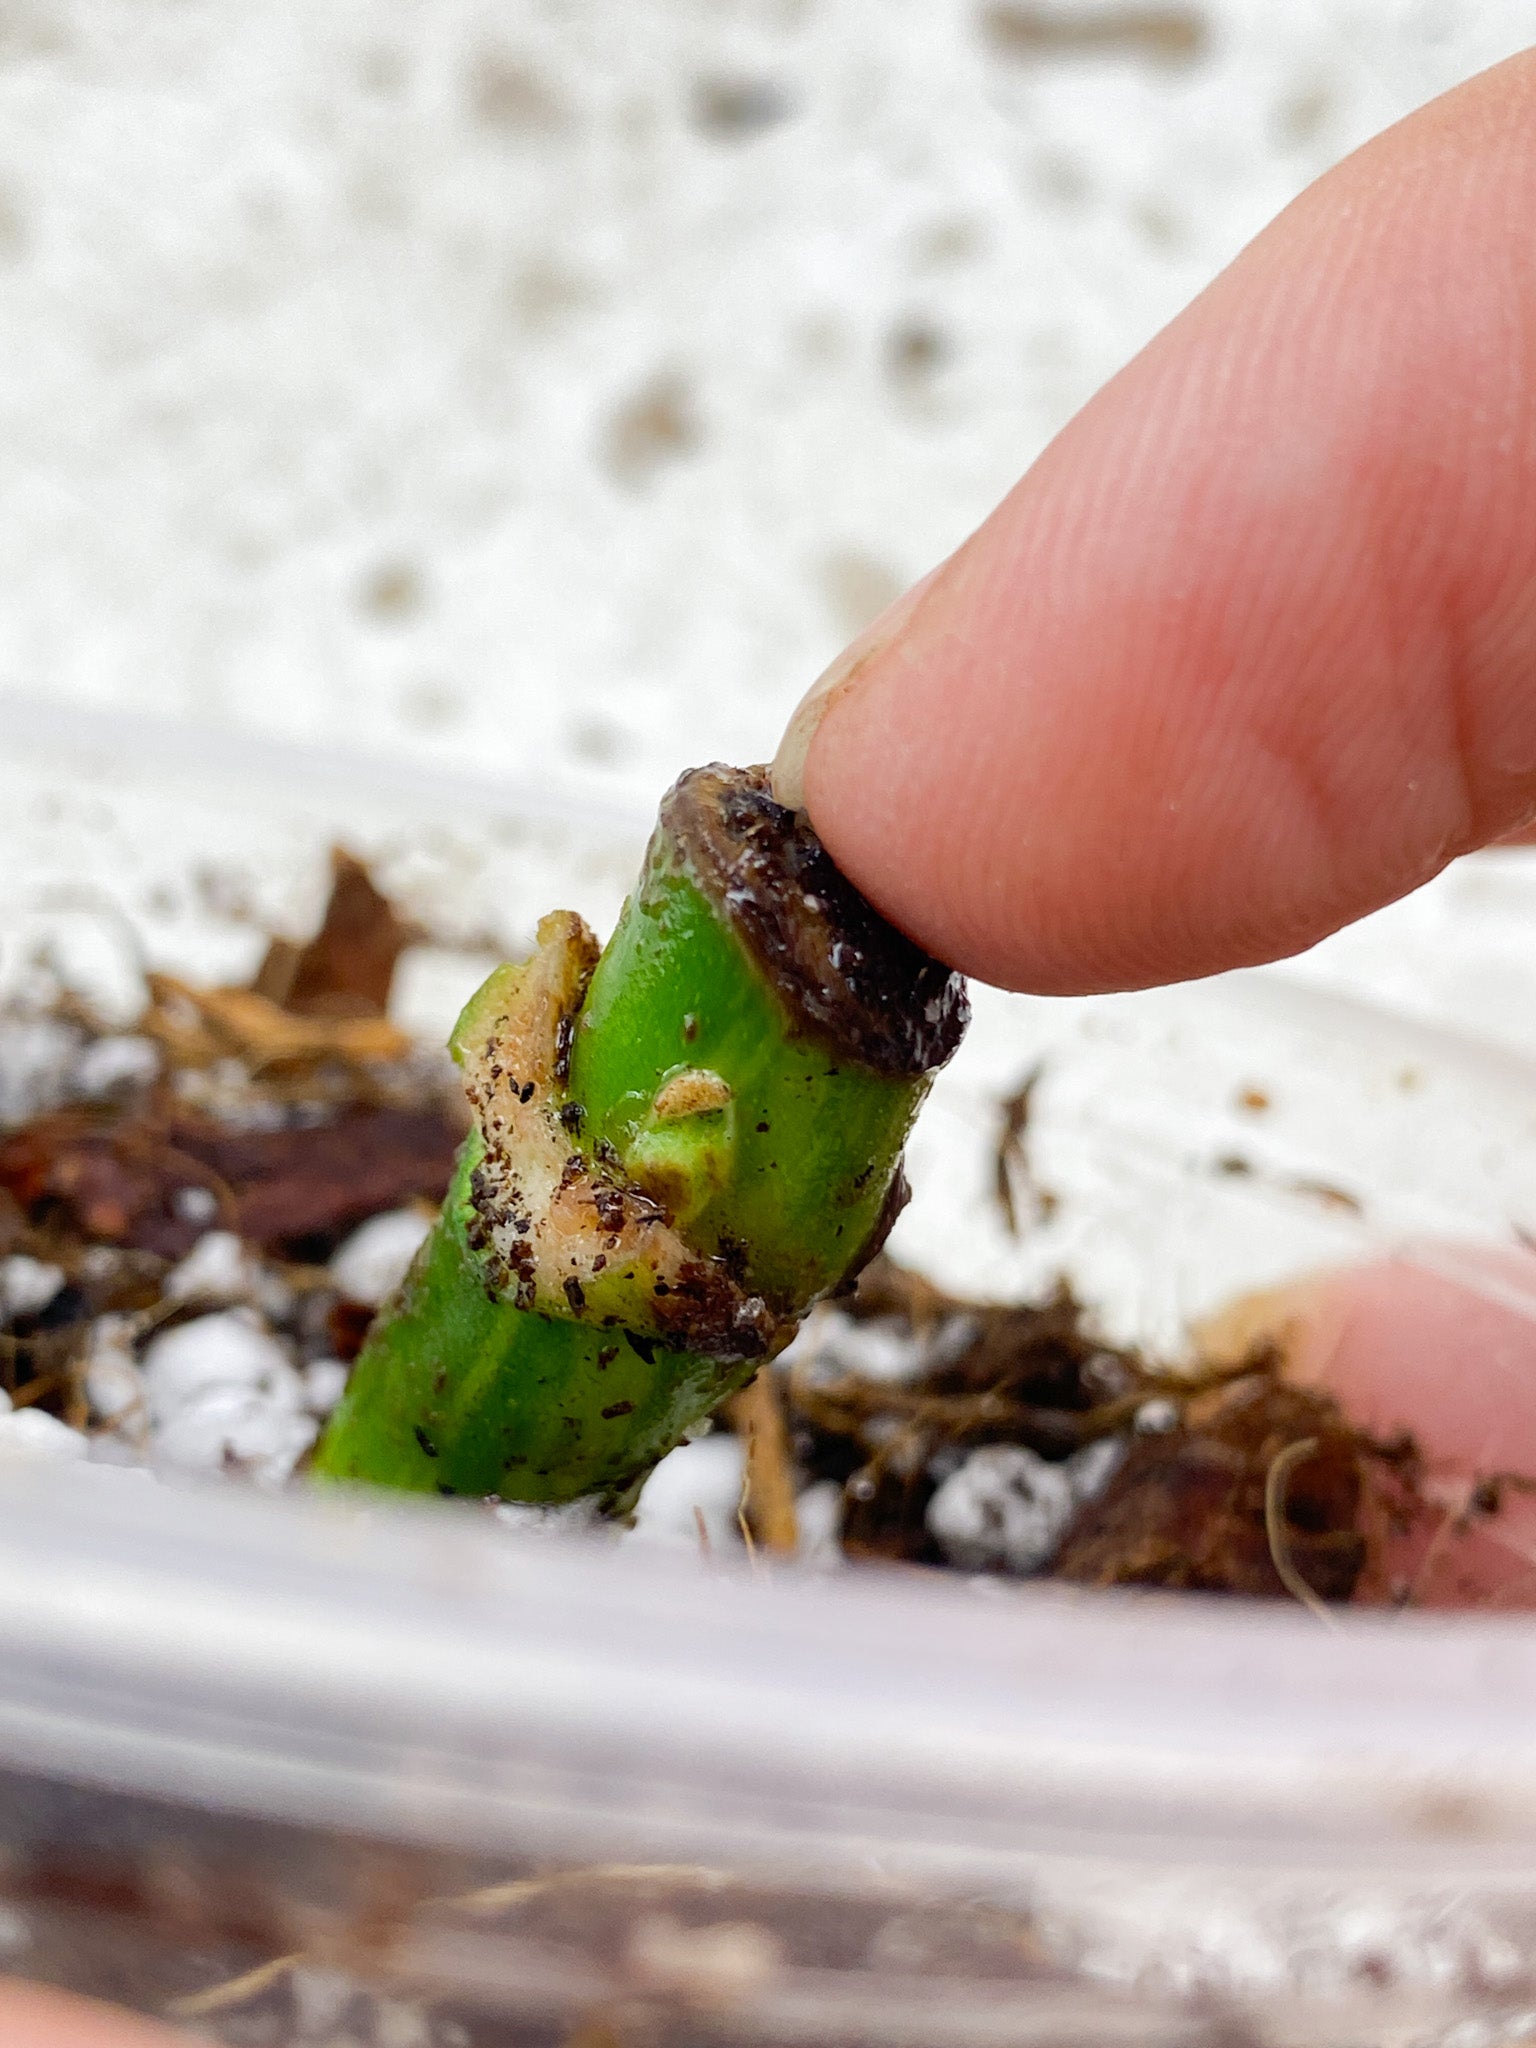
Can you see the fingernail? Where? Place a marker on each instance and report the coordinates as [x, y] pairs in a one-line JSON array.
[[788, 771]]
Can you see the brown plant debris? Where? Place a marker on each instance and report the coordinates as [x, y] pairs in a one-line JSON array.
[[757, 1415], [155, 1180], [648, 1954], [324, 1000], [285, 1114], [336, 1117], [290, 1112], [1013, 1176], [1164, 34], [1186, 1509], [196, 1027], [1228, 1478], [483, 1901], [348, 968]]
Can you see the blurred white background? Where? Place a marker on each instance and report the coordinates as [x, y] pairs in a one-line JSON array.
[[544, 386]]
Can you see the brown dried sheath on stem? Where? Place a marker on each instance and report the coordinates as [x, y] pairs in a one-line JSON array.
[[677, 1150]]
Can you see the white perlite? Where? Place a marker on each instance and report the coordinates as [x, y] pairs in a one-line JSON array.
[[37, 1061], [320, 1997], [45, 1061], [31, 1435], [226, 1350], [224, 1395], [325, 1381], [396, 2025], [559, 1518], [1007, 1509], [27, 1285], [376, 1257], [195, 1204], [819, 1516], [218, 1266], [884, 1348], [114, 1386], [696, 1482], [117, 1063], [230, 1429], [1157, 1417]]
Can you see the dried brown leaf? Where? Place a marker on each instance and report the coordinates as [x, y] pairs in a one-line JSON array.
[[348, 967]]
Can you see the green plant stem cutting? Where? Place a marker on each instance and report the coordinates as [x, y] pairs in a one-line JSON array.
[[679, 1145]]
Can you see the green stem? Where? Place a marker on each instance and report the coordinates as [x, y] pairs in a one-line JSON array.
[[676, 1152]]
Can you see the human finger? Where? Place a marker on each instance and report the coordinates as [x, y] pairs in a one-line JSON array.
[[1248, 652], [36, 2016]]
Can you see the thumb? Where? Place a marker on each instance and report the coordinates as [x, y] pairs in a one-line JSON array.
[[1251, 650]]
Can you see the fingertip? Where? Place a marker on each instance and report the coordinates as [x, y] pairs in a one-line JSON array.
[[787, 775], [1246, 653]]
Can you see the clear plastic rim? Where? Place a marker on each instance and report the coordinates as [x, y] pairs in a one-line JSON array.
[[1159, 1777], [418, 1671]]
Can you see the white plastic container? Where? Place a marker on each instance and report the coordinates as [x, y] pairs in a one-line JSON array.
[[301, 1738]]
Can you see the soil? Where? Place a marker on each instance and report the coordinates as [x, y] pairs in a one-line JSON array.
[[1192, 1502], [287, 1113], [850, 980], [292, 1111]]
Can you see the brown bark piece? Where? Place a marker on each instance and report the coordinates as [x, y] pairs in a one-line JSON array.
[[296, 1189], [1186, 1510], [297, 1185], [114, 1184]]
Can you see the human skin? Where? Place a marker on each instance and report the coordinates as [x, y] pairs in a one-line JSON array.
[[31, 2016], [1250, 651]]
